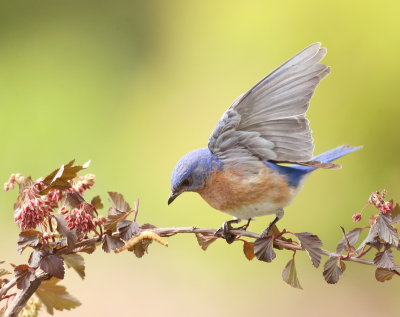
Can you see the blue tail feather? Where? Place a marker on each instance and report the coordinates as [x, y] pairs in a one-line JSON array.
[[295, 173]]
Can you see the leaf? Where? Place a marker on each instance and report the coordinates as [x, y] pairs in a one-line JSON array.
[[384, 259], [114, 219], [248, 250], [204, 240], [289, 274], [73, 200], [127, 229], [263, 249], [30, 238], [24, 276], [111, 243], [333, 268], [59, 178], [149, 235], [312, 244], [65, 232], [35, 258], [53, 265], [383, 275], [77, 262], [4, 272], [352, 238], [395, 214], [96, 202], [118, 203], [87, 248], [55, 296], [385, 230], [141, 248]]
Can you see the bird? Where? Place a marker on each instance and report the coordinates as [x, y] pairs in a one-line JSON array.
[[261, 150]]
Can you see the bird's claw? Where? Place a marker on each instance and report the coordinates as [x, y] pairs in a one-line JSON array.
[[225, 233]]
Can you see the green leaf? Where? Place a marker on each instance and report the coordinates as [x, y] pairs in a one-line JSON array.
[[77, 262], [205, 240], [55, 296], [312, 244], [289, 274]]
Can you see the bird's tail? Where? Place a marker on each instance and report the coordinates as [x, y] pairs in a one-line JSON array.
[[329, 156]]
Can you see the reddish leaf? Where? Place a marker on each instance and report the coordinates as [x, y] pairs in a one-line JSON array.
[[118, 203], [127, 229], [289, 274], [77, 262], [87, 248], [30, 238], [312, 244], [24, 276], [333, 268], [351, 237], [263, 249], [53, 265], [65, 232], [96, 202], [248, 250], [55, 296], [35, 258], [111, 243], [73, 200], [383, 275], [384, 259], [205, 240], [141, 248]]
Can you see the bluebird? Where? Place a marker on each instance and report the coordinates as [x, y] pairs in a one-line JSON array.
[[240, 172]]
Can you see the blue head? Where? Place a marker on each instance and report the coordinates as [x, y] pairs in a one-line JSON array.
[[192, 171]]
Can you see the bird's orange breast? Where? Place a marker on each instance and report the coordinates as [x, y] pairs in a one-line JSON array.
[[231, 190]]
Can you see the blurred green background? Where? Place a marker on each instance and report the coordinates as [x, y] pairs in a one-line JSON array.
[[134, 85]]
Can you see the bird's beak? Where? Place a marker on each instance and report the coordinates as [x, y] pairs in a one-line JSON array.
[[172, 197]]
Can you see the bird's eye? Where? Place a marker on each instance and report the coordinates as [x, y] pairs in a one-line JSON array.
[[186, 183]]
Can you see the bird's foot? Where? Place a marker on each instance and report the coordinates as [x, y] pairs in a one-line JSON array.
[[224, 231], [245, 226]]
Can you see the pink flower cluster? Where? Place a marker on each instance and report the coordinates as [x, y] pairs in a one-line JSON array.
[[80, 218], [357, 217], [82, 183], [14, 178], [34, 208], [377, 199]]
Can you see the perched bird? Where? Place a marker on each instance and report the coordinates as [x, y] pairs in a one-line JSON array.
[[240, 172]]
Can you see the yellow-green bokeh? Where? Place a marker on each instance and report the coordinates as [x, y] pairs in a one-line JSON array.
[[134, 85]]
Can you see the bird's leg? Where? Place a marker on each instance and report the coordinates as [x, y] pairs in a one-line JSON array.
[[279, 215], [245, 226], [224, 231]]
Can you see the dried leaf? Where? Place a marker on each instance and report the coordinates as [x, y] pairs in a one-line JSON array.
[[24, 276], [127, 229], [96, 202], [53, 265], [289, 274], [383, 275], [312, 244], [150, 235], [384, 259], [263, 249], [204, 240], [248, 250], [77, 262], [65, 232], [55, 296], [111, 243], [352, 238], [59, 178], [333, 268], [30, 238]]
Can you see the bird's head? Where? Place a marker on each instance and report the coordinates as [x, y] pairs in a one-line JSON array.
[[191, 172]]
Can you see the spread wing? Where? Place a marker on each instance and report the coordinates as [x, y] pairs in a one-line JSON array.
[[268, 122]]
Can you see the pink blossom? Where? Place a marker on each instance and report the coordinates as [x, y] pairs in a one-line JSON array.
[[14, 178], [81, 218], [82, 183], [31, 213], [356, 217]]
